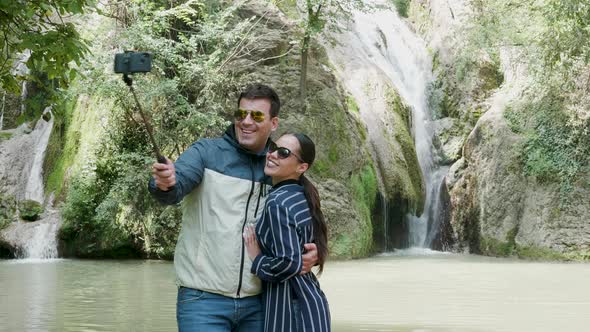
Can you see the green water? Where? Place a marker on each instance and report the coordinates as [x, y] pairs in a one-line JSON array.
[[414, 291]]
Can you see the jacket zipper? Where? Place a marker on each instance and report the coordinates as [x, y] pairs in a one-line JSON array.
[[243, 226], [260, 194]]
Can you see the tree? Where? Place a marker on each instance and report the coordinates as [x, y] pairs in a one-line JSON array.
[[42, 30], [567, 35], [319, 14]]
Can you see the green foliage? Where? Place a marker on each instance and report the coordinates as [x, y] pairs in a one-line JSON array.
[[114, 210], [551, 34], [342, 247], [30, 210], [5, 136], [351, 103], [354, 108], [61, 147], [82, 231], [288, 7], [364, 190], [187, 95], [39, 28], [492, 247], [579, 255], [551, 37], [407, 181], [7, 210], [363, 187], [556, 149], [402, 7], [440, 100], [567, 34], [539, 253]]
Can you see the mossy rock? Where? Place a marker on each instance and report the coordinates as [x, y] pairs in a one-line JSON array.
[[30, 210], [5, 136], [402, 174]]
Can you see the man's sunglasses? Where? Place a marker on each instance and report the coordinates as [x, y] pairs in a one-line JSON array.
[[241, 114], [282, 152]]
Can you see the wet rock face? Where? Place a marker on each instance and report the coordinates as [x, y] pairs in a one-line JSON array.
[[440, 232], [498, 211], [16, 161], [347, 230], [449, 139]]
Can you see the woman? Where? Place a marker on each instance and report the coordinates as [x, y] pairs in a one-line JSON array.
[[291, 217]]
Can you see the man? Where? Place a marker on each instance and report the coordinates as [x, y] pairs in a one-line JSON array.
[[223, 185]]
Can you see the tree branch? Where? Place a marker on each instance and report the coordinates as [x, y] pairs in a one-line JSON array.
[[271, 58], [236, 49], [57, 12]]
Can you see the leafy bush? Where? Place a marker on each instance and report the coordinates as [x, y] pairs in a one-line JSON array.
[[550, 39], [556, 149], [187, 94]]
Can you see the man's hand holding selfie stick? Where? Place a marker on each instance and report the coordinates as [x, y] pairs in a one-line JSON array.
[[141, 62]]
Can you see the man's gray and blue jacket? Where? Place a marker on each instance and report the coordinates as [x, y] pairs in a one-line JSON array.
[[222, 187]]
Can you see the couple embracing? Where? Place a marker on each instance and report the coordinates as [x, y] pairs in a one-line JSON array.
[[252, 226]]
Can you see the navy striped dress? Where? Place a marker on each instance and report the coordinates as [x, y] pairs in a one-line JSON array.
[[283, 228]]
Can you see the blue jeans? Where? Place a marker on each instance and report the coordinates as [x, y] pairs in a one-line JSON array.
[[203, 311]]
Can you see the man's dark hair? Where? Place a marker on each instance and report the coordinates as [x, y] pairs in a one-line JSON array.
[[257, 90]]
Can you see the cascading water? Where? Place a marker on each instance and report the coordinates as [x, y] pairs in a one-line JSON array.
[[2, 111], [22, 70], [21, 172], [379, 46], [22, 166], [34, 188], [24, 95]]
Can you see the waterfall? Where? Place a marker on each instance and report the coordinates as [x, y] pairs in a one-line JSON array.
[[22, 165], [34, 188], [22, 70], [385, 223], [43, 243], [34, 240], [379, 46], [21, 160], [23, 97], [2, 111]]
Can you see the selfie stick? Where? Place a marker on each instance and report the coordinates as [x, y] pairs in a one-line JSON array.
[[148, 127]]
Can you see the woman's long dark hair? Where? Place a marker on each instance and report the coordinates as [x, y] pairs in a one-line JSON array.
[[320, 230]]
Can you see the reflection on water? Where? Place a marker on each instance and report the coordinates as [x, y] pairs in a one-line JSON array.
[[407, 291]]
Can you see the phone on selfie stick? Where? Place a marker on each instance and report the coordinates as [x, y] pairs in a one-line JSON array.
[[131, 62]]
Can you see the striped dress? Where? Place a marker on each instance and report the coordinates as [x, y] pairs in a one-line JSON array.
[[283, 228]]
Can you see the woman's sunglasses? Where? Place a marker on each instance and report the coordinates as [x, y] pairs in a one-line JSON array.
[[241, 114], [282, 152]]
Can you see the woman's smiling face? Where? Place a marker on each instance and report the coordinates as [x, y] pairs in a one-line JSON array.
[[281, 167]]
